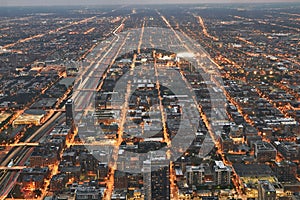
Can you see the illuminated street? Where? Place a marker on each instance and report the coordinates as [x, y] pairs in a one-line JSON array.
[[150, 102]]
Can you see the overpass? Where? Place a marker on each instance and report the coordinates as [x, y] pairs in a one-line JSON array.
[[76, 110], [32, 144], [12, 168], [95, 143]]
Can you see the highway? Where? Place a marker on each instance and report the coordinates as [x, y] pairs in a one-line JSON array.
[[95, 65], [158, 73], [98, 62], [94, 70], [20, 154], [22, 151], [10, 178], [97, 71], [22, 144]]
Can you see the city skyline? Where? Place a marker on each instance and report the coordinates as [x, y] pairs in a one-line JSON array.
[[5, 3]]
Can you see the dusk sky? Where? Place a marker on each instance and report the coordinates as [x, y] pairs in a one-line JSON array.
[[105, 2]]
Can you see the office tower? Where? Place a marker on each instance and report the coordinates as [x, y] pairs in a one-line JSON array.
[[156, 179], [69, 112]]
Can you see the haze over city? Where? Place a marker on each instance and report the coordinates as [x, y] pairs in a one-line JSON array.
[[132, 2]]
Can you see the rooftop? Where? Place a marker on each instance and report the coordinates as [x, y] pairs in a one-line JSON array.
[[252, 170]]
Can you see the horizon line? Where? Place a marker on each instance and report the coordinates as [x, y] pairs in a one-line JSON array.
[[145, 3]]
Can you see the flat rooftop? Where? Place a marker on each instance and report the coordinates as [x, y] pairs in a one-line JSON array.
[[252, 170]]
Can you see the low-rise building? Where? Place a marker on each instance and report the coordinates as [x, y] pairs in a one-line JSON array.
[[91, 193], [264, 151], [266, 190]]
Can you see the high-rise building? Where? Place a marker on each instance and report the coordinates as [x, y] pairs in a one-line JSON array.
[[266, 191], [147, 179], [69, 112], [222, 174], [194, 175], [156, 179]]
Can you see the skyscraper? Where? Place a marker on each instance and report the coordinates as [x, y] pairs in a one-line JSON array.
[[156, 179], [69, 112]]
